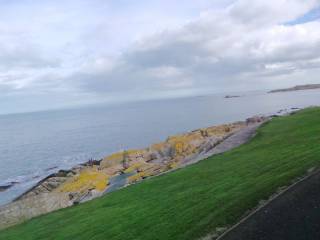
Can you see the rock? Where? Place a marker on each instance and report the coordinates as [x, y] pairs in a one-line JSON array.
[[92, 162], [232, 96], [5, 187], [51, 168], [209, 144], [27, 208], [52, 185], [92, 179], [151, 156], [79, 187], [64, 173], [89, 196], [112, 160], [70, 174], [255, 119], [8, 186], [46, 185]]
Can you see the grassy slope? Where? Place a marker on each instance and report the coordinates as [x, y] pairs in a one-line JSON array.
[[191, 202]]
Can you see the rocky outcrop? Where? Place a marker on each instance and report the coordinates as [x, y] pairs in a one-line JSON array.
[[97, 177], [88, 182], [232, 96], [92, 178], [30, 207], [256, 119], [5, 187], [48, 184]]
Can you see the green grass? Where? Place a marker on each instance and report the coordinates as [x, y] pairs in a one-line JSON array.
[[191, 202]]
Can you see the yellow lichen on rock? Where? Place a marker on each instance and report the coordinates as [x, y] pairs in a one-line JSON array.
[[169, 154], [185, 144], [174, 165], [147, 170], [135, 166], [179, 147], [120, 158], [223, 129], [135, 178], [115, 156], [132, 154], [112, 160], [86, 180], [158, 146]]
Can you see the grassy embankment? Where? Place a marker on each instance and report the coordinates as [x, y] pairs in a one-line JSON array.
[[191, 202]]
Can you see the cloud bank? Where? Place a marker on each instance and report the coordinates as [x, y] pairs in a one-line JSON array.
[[54, 54]]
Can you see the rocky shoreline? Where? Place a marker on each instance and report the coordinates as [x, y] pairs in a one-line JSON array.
[[98, 177]]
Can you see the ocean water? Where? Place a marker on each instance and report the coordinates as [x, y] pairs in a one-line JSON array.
[[33, 145]]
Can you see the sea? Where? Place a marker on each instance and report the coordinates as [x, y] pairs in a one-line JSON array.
[[35, 145]]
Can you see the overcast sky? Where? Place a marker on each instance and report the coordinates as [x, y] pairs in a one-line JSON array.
[[57, 53]]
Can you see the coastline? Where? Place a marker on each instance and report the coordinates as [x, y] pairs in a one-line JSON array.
[[96, 177], [64, 139], [297, 88]]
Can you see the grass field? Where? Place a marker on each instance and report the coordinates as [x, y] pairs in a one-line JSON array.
[[191, 202]]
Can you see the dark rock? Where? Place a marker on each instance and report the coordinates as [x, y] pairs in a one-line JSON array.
[[255, 119], [92, 162], [232, 96], [5, 187], [47, 184], [14, 182], [63, 173], [51, 168]]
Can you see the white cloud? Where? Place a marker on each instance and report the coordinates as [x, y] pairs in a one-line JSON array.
[[108, 51], [261, 13]]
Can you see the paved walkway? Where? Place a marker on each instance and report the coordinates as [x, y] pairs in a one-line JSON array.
[[294, 215]]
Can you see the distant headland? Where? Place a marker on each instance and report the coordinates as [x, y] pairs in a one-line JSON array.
[[297, 88]]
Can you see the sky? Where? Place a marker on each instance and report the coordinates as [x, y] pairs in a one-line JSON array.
[[63, 53]]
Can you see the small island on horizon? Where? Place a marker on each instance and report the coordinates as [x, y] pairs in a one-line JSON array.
[[297, 88], [232, 96]]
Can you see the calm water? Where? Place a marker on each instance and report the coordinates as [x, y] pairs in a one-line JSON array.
[[31, 144]]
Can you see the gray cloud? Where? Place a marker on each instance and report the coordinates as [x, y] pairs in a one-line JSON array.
[[239, 45]]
